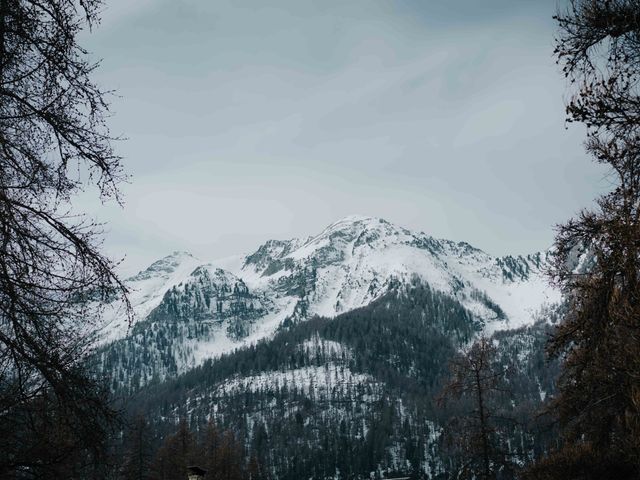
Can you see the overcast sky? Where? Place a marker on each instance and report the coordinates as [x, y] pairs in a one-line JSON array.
[[250, 120]]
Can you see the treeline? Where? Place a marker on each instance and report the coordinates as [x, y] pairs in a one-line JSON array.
[[404, 339], [159, 348], [357, 394], [216, 452]]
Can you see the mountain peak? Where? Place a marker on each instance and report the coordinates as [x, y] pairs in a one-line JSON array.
[[355, 218], [352, 262], [180, 254], [359, 220], [357, 223], [167, 265]]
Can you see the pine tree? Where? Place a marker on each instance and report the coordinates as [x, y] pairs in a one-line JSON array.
[[139, 452], [229, 458], [210, 451], [175, 454], [598, 405], [476, 380]]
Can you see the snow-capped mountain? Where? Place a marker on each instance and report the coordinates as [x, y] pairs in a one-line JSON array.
[[147, 289], [333, 348], [187, 310], [357, 259], [356, 395]]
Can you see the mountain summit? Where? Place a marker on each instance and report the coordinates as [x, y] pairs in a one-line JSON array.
[[188, 310]]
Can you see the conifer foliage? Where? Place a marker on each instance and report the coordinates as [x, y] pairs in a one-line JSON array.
[[477, 383], [354, 396], [137, 461], [599, 389], [218, 453]]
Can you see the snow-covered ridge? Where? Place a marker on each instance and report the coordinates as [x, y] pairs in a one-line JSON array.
[[354, 260], [146, 291], [349, 264]]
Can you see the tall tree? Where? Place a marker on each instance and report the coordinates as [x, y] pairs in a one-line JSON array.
[[230, 461], [476, 380], [139, 454], [177, 452], [599, 338], [53, 143]]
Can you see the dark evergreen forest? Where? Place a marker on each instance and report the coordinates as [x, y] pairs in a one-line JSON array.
[[357, 394]]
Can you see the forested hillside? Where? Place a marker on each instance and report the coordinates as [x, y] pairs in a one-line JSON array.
[[187, 311], [357, 394]]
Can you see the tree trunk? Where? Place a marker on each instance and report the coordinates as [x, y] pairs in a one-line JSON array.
[[483, 428]]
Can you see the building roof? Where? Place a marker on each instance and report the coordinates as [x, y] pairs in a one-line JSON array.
[[194, 470]]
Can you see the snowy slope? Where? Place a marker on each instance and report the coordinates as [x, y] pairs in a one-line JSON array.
[[147, 289], [348, 265], [356, 259]]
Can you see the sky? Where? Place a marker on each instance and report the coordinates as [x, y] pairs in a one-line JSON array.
[[248, 120]]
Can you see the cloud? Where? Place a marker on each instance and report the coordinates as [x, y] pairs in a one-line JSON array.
[[250, 119]]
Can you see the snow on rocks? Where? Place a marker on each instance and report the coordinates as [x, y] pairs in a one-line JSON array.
[[348, 265]]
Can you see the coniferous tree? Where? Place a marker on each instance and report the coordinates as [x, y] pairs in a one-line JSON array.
[[229, 458], [599, 338], [475, 382], [175, 454], [139, 454], [210, 451]]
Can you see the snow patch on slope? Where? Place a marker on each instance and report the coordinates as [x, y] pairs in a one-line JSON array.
[[319, 380], [147, 289]]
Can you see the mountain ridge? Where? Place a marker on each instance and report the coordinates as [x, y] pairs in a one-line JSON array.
[[193, 310]]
